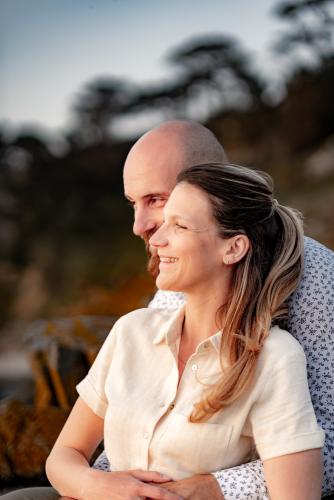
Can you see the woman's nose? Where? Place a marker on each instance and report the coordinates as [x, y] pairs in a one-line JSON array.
[[158, 239]]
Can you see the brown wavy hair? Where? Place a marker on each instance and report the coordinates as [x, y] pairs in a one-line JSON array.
[[243, 203]]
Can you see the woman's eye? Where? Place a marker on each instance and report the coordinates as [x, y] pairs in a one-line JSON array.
[[179, 226]]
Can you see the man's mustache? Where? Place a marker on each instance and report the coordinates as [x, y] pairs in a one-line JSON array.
[[153, 258]]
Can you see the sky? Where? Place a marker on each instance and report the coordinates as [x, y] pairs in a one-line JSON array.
[[50, 48]]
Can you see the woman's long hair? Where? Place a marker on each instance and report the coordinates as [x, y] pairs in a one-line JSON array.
[[242, 203]]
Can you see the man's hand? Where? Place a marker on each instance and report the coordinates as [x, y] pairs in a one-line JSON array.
[[126, 485], [198, 487]]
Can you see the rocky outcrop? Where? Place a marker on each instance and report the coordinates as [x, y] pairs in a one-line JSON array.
[[27, 435]]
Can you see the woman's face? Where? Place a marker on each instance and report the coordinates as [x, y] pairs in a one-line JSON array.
[[187, 243]]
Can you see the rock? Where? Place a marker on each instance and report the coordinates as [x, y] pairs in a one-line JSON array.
[[27, 435]]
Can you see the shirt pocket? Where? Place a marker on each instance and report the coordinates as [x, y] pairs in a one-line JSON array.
[[197, 448]]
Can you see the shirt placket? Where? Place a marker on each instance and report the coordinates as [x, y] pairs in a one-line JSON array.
[[165, 404]]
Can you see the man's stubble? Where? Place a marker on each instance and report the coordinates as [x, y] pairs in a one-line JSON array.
[[153, 258]]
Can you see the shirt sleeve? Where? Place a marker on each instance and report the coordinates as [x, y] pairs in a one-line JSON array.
[[92, 388], [244, 482], [282, 418]]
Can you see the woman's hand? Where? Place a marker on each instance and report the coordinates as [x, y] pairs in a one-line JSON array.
[[125, 485]]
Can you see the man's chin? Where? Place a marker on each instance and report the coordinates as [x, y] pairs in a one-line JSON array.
[[153, 266], [153, 258]]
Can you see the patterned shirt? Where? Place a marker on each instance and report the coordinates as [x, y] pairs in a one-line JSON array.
[[311, 321]]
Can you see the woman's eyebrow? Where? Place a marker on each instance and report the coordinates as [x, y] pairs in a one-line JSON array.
[[178, 216]]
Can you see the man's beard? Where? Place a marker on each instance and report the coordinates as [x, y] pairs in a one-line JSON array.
[[153, 258]]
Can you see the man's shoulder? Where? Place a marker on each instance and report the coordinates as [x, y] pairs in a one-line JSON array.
[[166, 299], [317, 283], [316, 254]]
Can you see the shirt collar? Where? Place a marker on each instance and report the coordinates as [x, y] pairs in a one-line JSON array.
[[171, 331]]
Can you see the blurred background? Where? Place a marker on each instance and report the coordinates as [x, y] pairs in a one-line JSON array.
[[80, 82]]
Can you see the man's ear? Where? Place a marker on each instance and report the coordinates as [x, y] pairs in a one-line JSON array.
[[235, 249]]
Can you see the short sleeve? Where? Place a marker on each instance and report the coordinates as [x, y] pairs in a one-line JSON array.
[[283, 419], [92, 388]]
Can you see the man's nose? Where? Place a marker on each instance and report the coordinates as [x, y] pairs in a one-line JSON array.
[[143, 223]]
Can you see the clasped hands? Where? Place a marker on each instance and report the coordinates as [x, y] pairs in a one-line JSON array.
[[197, 487], [139, 485]]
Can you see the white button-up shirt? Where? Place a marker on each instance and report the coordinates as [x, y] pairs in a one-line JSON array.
[[133, 384]]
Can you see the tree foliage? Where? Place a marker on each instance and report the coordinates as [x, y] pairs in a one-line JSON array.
[[311, 27]]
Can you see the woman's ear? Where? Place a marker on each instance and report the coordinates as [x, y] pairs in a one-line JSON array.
[[235, 249]]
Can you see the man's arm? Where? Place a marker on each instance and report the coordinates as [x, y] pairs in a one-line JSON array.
[[290, 477], [243, 482]]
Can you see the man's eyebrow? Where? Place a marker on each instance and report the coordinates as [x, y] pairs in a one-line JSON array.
[[153, 195], [149, 195]]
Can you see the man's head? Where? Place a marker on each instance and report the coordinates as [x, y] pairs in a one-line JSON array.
[[153, 164]]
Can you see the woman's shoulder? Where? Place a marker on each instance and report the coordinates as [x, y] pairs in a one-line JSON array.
[[280, 346], [147, 319], [148, 314]]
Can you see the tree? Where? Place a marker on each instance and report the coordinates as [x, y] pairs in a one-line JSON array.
[[97, 106], [311, 28], [217, 64]]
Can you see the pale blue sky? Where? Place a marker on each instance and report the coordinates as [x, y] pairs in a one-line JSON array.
[[50, 48]]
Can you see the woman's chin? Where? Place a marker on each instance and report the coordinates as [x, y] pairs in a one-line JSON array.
[[164, 284]]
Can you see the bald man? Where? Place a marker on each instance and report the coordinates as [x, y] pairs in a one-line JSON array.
[[149, 176], [153, 164]]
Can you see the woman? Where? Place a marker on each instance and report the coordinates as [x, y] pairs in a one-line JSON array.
[[209, 386]]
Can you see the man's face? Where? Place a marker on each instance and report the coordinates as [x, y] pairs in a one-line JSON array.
[[150, 173]]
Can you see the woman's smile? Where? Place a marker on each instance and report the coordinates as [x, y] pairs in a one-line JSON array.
[[166, 261], [187, 243]]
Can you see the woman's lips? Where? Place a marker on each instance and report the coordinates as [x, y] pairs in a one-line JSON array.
[[166, 261]]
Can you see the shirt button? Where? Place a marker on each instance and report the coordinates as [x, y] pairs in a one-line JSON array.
[[171, 406], [146, 435], [194, 367], [206, 345]]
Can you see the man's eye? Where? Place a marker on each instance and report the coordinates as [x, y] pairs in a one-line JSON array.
[[158, 202], [131, 204]]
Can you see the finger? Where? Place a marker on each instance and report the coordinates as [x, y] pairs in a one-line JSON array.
[[157, 493], [150, 476], [172, 487]]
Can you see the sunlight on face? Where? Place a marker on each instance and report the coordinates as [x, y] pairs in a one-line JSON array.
[[187, 243], [149, 177]]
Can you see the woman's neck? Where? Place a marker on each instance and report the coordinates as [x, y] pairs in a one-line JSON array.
[[201, 314]]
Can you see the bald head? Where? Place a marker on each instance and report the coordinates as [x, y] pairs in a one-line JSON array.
[[154, 162], [175, 145]]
